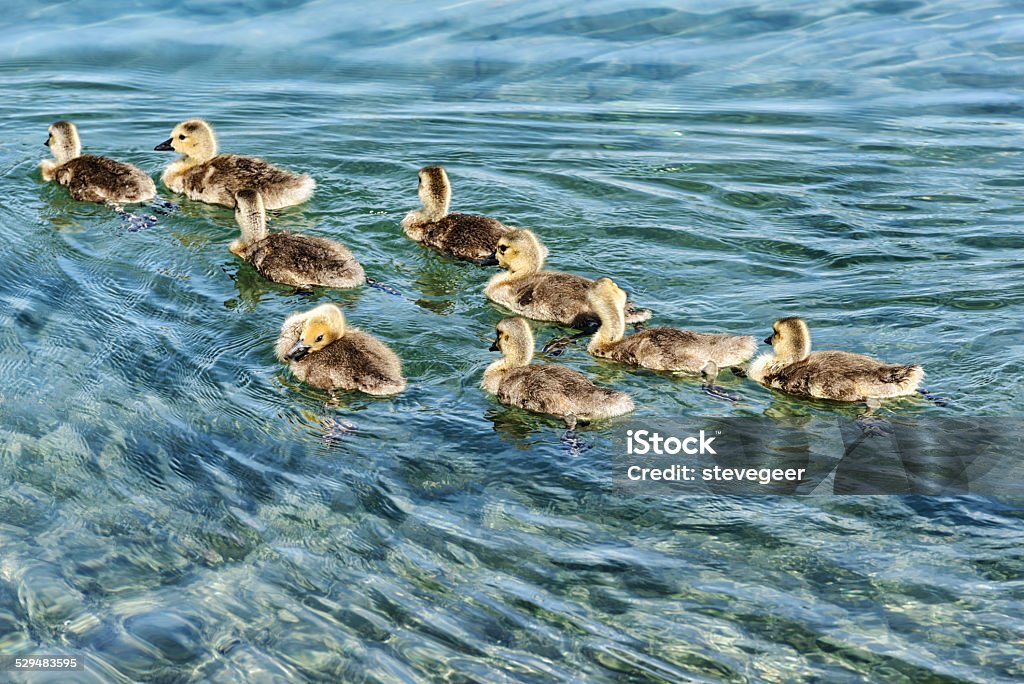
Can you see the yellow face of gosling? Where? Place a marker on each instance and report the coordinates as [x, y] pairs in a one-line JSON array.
[[324, 325], [63, 141], [514, 339], [790, 338], [193, 138], [520, 250]]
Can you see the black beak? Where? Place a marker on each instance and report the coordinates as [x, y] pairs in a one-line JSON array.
[[165, 146], [47, 143], [769, 339], [494, 345], [297, 352], [492, 260]]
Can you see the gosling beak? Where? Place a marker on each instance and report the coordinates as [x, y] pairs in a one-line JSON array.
[[491, 260], [47, 143], [297, 352], [165, 146], [494, 345], [769, 339]]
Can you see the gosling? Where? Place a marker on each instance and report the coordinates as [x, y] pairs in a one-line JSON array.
[[549, 388], [544, 295], [299, 260], [89, 178], [206, 176], [470, 237], [835, 375], [663, 349], [323, 352]]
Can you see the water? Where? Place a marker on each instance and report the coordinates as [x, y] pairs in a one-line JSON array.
[[175, 507]]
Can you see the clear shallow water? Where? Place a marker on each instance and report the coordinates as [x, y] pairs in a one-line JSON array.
[[177, 508]]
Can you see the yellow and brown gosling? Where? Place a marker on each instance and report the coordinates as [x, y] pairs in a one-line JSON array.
[[545, 388], [323, 352], [206, 176], [668, 349], [544, 295], [289, 258], [464, 236], [836, 375], [89, 178]]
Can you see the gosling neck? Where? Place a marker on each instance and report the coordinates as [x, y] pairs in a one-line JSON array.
[[794, 352], [253, 224], [514, 358], [436, 201], [613, 323], [66, 151]]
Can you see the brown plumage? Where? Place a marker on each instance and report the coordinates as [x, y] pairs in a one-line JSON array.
[[89, 178], [544, 295], [299, 260], [464, 236], [323, 352], [549, 388], [658, 348], [836, 375], [203, 175]]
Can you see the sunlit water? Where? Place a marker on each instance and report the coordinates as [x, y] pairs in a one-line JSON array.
[[175, 507]]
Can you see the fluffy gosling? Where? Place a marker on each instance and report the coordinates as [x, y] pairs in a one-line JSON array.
[[89, 178], [322, 351], [836, 375], [206, 176], [470, 237], [299, 260], [544, 295], [658, 348], [545, 388]]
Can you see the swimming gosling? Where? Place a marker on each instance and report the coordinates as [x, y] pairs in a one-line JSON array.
[[206, 176], [299, 260], [464, 236], [836, 375], [89, 178], [324, 352], [668, 349], [544, 295], [545, 388]]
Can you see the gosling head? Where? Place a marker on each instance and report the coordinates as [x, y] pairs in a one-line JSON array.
[[435, 192], [193, 138], [251, 217], [63, 141], [322, 325], [605, 294], [520, 251], [790, 339], [515, 340]]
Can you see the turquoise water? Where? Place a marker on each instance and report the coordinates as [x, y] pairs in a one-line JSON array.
[[175, 507]]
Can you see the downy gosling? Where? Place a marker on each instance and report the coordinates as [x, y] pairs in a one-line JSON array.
[[322, 351], [89, 178], [206, 176], [544, 295], [464, 236], [545, 388], [836, 375], [658, 348], [299, 260]]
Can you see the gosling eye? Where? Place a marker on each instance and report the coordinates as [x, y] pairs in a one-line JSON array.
[[502, 248], [181, 137], [319, 337]]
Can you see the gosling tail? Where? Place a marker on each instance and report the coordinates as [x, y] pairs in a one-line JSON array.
[[902, 380], [636, 315]]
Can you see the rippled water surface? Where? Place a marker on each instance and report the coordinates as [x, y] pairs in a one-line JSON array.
[[175, 507]]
